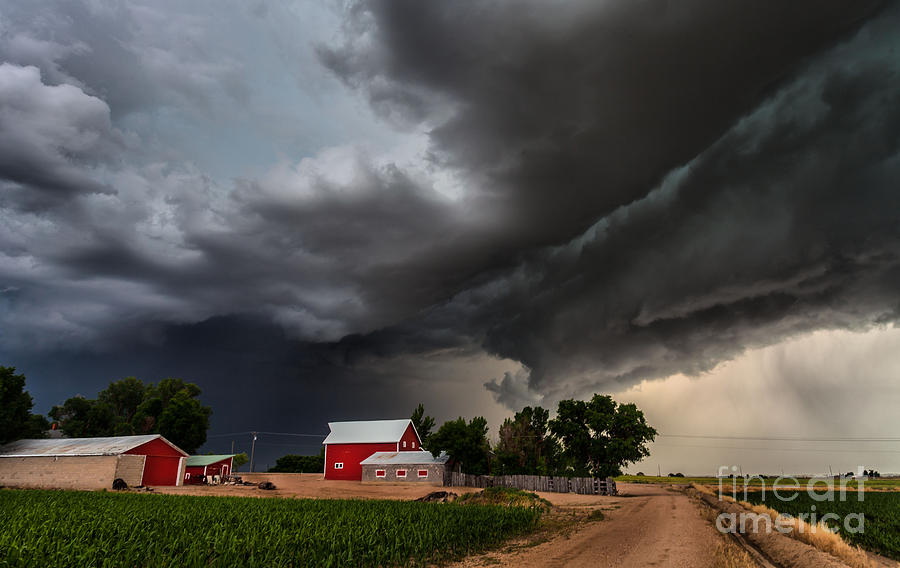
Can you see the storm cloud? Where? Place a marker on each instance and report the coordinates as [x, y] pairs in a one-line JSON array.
[[595, 193]]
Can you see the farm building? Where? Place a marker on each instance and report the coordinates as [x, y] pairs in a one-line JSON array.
[[198, 468], [91, 463], [349, 443], [420, 467]]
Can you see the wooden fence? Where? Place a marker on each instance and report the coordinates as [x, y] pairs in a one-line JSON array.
[[580, 485]]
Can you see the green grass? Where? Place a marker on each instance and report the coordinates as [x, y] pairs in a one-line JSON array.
[[504, 496], [67, 528], [880, 510]]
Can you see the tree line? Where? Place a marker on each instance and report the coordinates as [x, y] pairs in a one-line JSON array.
[[598, 437], [126, 407]]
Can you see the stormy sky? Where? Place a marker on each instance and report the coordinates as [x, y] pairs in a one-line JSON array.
[[326, 211]]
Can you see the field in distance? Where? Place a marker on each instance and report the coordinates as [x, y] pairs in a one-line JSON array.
[[69, 528], [892, 483]]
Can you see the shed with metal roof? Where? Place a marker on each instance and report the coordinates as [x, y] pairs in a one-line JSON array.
[[198, 468], [349, 443], [91, 463]]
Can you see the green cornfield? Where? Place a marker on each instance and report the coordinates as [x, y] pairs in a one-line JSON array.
[[69, 528], [881, 515]]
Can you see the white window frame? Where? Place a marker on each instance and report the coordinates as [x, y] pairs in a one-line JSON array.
[[380, 473], [401, 473], [420, 473], [338, 465], [404, 443], [413, 445]]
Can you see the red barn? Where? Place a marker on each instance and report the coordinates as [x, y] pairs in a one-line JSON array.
[[349, 443], [91, 463]]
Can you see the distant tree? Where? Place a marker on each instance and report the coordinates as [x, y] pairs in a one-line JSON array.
[[239, 460], [464, 442], [600, 436], [526, 447], [16, 419], [300, 464], [424, 424]]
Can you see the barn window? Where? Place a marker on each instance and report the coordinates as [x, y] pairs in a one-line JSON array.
[[404, 443], [338, 465], [423, 473], [401, 473], [414, 445], [379, 473]]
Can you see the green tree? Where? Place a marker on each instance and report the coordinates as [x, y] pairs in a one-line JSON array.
[[239, 460], [124, 397], [600, 436], [300, 464], [424, 424], [526, 447], [16, 419], [79, 417], [129, 407], [184, 421], [466, 443]]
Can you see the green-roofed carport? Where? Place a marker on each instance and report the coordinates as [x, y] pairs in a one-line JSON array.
[[198, 469]]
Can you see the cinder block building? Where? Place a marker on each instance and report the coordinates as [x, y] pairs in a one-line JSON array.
[[91, 463], [418, 467]]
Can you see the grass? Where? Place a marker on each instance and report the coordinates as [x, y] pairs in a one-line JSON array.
[[505, 497], [68, 528], [880, 513]]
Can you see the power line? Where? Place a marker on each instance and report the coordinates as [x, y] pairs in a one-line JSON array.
[[770, 449]]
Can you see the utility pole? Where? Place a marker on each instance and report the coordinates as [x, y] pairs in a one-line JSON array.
[[658, 471], [252, 451], [232, 446]]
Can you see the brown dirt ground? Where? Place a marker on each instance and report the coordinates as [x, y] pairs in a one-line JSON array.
[[643, 526]]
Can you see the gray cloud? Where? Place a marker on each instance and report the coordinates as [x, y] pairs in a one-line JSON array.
[[558, 245]]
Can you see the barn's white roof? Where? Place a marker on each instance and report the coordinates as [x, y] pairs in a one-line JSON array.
[[412, 458], [367, 431], [77, 446]]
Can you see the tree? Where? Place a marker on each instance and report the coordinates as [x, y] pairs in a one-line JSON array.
[[300, 464], [16, 419], [79, 417], [600, 436], [129, 407], [526, 446], [239, 460], [424, 424], [466, 443]]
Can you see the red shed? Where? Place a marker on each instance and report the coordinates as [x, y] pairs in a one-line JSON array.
[[199, 467], [349, 443]]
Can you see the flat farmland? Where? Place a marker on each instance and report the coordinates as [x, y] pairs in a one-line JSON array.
[[69, 528]]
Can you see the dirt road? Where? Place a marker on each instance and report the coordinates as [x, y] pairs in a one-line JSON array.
[[645, 526]]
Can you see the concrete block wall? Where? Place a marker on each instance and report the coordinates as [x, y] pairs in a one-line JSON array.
[[130, 468], [435, 473], [64, 472]]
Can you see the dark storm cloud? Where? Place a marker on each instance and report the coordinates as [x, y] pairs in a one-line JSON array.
[[563, 250], [560, 113]]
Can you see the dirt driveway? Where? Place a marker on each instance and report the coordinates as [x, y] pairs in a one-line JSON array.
[[645, 526]]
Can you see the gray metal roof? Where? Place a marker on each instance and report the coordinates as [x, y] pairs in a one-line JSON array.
[[367, 431], [77, 446], [420, 457]]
